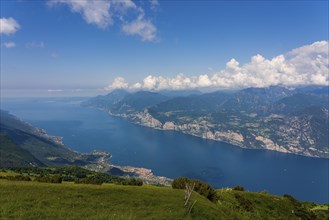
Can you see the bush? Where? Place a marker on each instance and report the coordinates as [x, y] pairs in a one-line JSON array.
[[299, 210], [132, 182], [244, 203], [200, 187], [18, 178], [90, 180], [49, 179], [238, 188]]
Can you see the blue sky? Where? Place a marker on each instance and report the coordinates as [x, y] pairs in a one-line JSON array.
[[67, 45]]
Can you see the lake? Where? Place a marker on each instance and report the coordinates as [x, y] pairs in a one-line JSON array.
[[172, 154]]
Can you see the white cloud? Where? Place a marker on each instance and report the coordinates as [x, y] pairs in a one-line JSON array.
[[302, 66], [142, 27], [93, 11], [8, 26], [103, 13], [33, 44], [9, 44], [118, 83]]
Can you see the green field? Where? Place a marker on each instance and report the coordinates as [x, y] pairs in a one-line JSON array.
[[34, 200]]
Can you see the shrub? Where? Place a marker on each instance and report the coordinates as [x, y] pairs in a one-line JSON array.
[[49, 179], [244, 203], [90, 180], [238, 188], [18, 178], [200, 187], [134, 182]]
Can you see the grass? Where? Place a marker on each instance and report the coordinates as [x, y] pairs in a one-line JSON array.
[[251, 205], [321, 207], [34, 200]]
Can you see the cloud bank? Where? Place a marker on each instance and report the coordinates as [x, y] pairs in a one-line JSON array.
[[306, 65], [104, 13], [8, 26]]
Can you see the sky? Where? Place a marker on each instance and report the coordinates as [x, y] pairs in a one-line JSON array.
[[68, 46]]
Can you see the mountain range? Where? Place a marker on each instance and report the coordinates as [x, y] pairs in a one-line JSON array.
[[291, 120]]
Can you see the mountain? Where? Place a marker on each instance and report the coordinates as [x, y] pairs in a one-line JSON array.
[[313, 89], [137, 102], [180, 93], [256, 100], [291, 120], [24, 145], [189, 106], [299, 102], [12, 155], [106, 101]]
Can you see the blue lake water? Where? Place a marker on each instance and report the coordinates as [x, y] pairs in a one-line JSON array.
[[173, 154]]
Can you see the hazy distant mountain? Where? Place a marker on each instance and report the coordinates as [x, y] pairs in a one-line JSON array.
[[180, 93], [256, 100], [194, 105], [292, 120], [313, 90], [299, 102], [106, 101], [135, 102]]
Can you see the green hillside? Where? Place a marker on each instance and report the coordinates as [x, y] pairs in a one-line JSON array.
[[12, 155], [33, 200], [22, 145]]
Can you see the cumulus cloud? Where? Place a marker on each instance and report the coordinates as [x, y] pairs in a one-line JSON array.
[[8, 26], [306, 65], [118, 83], [9, 44], [103, 14], [93, 11]]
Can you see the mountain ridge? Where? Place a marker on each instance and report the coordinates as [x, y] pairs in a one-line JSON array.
[[290, 120]]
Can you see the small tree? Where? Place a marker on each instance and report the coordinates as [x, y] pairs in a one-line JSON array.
[[188, 192], [202, 188]]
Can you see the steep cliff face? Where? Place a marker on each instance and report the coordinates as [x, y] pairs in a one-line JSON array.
[[295, 133]]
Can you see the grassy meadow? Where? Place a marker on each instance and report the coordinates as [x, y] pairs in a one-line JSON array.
[[34, 200]]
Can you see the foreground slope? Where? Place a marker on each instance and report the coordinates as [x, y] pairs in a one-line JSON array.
[[71, 201], [32, 200]]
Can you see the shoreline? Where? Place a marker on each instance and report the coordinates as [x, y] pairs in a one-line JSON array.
[[162, 127], [99, 161]]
